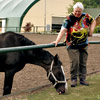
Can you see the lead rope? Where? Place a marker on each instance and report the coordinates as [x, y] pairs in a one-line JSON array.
[[51, 73]]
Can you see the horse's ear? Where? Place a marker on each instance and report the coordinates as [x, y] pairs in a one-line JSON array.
[[56, 57]]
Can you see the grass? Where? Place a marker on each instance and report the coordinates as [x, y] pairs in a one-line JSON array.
[[80, 92]]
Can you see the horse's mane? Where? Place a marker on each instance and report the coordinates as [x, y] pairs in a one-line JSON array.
[[14, 37]]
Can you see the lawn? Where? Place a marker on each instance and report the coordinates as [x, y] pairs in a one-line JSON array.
[[91, 92], [80, 92]]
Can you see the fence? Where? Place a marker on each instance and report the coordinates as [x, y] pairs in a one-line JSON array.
[[33, 29], [20, 48], [38, 29], [12, 49]]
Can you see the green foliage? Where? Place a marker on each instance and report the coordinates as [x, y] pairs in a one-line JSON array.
[[87, 4], [97, 29], [70, 9]]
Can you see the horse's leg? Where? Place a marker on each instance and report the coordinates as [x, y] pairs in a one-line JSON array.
[[8, 82]]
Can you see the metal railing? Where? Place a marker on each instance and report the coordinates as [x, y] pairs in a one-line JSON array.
[[34, 29], [20, 48]]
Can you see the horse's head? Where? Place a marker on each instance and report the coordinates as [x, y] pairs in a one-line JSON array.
[[53, 67], [57, 76]]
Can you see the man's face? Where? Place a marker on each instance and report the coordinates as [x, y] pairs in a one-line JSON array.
[[77, 12]]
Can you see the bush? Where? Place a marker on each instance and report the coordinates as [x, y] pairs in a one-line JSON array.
[[97, 29], [28, 27]]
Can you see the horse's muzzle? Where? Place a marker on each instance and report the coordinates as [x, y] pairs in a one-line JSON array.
[[61, 90]]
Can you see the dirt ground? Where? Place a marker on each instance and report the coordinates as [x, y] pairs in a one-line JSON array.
[[33, 76]]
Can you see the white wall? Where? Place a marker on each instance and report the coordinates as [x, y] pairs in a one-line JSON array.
[[56, 8]]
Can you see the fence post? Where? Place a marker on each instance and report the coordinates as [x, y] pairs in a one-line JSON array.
[[33, 29]]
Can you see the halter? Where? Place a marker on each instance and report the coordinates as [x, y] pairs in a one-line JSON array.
[[51, 73]]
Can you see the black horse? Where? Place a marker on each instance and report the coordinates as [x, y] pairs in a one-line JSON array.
[[12, 62]]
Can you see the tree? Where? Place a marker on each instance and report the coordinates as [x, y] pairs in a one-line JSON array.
[[70, 9], [87, 4]]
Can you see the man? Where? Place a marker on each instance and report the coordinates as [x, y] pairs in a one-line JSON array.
[[78, 27]]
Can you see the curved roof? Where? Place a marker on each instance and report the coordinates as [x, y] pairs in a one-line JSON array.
[[15, 8]]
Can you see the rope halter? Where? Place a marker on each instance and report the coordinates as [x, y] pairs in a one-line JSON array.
[[51, 73]]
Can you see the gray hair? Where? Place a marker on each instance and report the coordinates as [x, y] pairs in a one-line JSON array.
[[78, 5]]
